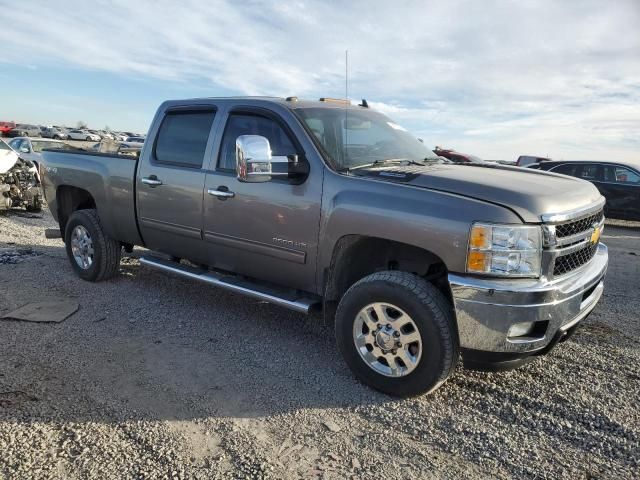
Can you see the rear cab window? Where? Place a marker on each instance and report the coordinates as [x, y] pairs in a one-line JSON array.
[[183, 136]]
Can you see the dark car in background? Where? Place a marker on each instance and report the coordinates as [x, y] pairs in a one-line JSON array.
[[24, 130], [618, 182], [456, 157]]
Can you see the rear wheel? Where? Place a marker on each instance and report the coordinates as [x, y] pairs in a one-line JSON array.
[[93, 254], [397, 333]]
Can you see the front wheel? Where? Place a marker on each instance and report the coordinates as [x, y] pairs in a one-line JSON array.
[[397, 333], [93, 254], [88, 139]]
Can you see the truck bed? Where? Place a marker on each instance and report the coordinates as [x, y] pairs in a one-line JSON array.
[[108, 178]]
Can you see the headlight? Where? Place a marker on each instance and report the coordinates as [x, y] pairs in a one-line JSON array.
[[505, 250]]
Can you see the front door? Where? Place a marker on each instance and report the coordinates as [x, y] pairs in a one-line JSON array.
[[265, 230], [170, 183]]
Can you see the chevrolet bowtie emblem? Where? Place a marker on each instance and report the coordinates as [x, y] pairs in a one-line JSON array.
[[595, 236]]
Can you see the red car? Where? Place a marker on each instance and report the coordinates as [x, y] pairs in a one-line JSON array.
[[456, 157], [6, 127]]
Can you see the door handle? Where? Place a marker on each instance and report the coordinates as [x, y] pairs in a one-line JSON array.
[[152, 181], [222, 192]]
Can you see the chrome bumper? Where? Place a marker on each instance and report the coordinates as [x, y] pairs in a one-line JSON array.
[[486, 309]]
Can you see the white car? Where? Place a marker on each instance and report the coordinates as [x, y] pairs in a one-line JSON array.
[[83, 135], [8, 157]]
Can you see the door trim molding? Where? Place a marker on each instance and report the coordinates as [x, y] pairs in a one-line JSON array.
[[176, 228], [275, 251]]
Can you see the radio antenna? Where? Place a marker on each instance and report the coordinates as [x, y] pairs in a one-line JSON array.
[[346, 107], [346, 74]]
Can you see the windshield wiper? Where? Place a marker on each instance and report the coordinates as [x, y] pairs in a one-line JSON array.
[[377, 163]]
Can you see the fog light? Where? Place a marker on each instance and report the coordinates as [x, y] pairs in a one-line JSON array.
[[520, 329]]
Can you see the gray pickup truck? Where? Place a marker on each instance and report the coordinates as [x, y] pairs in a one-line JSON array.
[[321, 205]]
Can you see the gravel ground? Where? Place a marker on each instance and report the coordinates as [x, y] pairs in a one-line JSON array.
[[156, 377]]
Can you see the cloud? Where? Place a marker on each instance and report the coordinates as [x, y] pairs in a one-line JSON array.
[[497, 78]]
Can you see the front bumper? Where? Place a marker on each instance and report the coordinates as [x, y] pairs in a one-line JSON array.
[[486, 309]]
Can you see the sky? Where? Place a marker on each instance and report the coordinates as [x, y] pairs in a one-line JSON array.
[[493, 78]]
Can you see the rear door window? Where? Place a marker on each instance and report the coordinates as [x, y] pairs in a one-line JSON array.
[[182, 138]]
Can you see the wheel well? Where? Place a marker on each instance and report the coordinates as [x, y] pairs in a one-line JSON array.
[[71, 199], [355, 257]]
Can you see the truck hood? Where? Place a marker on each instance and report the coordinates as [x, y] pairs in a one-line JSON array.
[[529, 193]]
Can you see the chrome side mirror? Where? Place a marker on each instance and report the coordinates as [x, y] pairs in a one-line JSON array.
[[254, 162], [25, 150], [253, 159]]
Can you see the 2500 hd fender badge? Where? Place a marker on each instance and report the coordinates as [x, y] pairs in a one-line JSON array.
[[289, 243]]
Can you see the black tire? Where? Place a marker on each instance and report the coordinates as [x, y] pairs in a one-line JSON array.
[[431, 313], [88, 139], [106, 251]]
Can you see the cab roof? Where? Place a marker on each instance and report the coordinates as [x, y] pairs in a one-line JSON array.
[[288, 102]]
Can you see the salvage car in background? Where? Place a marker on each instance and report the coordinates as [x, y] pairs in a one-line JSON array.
[[19, 181], [30, 148], [83, 135], [456, 157], [106, 135], [526, 160], [132, 145], [24, 130], [618, 182], [6, 127], [53, 132]]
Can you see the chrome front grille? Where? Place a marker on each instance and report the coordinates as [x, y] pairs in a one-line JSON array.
[[567, 263], [571, 240], [579, 226]]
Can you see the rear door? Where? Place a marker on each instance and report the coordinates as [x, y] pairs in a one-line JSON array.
[[170, 182], [621, 187], [265, 230]]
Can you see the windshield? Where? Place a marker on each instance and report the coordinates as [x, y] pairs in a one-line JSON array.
[[354, 137], [4, 146]]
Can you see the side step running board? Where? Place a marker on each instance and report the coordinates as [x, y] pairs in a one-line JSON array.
[[234, 284]]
